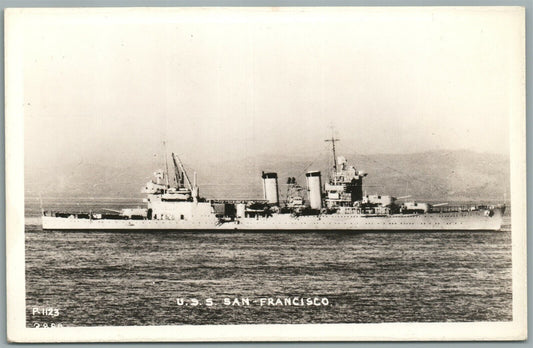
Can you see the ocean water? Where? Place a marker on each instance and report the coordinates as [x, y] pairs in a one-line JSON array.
[[169, 278]]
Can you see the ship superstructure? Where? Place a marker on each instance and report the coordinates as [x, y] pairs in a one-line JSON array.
[[338, 203]]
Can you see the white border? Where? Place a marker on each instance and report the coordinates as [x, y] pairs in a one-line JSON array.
[[15, 265]]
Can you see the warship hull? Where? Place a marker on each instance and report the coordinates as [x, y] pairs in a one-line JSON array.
[[479, 220], [173, 203]]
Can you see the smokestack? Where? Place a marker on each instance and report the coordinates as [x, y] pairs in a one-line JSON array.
[[270, 187], [314, 186]]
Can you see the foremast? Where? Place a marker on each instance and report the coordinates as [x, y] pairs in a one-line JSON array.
[[345, 186]]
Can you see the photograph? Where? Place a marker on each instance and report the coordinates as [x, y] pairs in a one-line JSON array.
[[265, 174]]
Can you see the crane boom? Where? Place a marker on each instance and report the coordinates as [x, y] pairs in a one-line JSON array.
[[182, 169], [177, 176]]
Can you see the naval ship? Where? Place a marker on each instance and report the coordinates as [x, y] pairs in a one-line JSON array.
[[174, 203]]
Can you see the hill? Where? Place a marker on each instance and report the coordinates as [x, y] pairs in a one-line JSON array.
[[434, 176]]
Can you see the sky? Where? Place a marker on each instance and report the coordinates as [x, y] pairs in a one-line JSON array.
[[109, 85]]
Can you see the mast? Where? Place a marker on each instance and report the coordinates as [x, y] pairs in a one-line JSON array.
[[333, 140], [41, 203]]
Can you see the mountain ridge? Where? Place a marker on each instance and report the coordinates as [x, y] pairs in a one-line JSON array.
[[458, 175]]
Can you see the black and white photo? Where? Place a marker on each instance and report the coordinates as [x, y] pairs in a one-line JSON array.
[[265, 174]]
